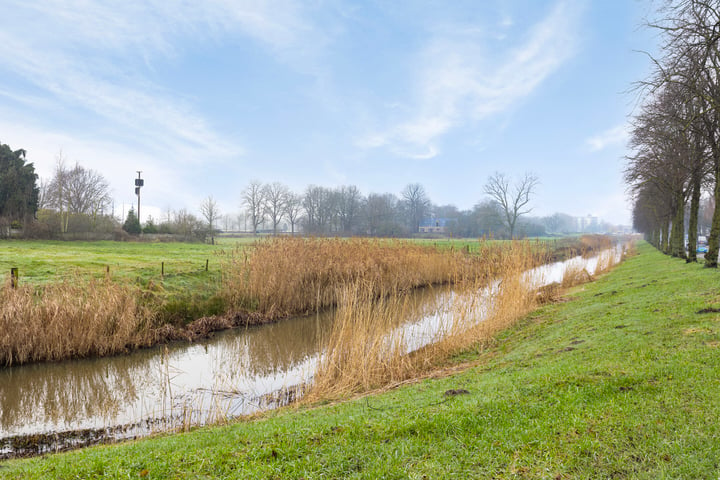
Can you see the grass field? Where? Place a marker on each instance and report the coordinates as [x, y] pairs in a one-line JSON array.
[[42, 261], [620, 380]]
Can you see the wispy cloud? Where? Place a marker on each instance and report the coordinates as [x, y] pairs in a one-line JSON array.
[[98, 56], [460, 81], [617, 135]]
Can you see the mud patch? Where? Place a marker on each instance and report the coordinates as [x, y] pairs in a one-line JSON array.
[[456, 392], [708, 310]]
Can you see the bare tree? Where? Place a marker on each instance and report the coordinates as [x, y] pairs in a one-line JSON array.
[[691, 61], [349, 201], [320, 204], [211, 212], [275, 196], [513, 199], [254, 202], [293, 209], [76, 190], [382, 216], [417, 204], [185, 223]]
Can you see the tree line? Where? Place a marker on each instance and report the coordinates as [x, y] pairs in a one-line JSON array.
[[675, 137], [76, 200], [346, 211]]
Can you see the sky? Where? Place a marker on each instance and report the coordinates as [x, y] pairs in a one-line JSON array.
[[206, 96]]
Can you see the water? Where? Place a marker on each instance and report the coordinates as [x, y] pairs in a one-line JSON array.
[[234, 373]]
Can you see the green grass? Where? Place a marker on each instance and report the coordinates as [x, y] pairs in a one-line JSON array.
[[621, 381], [187, 291], [42, 261]]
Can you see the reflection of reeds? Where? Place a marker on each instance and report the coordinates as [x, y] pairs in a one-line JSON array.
[[75, 318]]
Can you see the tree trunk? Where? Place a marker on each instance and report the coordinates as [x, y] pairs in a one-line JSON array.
[[656, 238], [711, 257], [694, 211], [677, 240]]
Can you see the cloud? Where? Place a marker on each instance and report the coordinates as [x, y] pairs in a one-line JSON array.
[[460, 81], [617, 135], [98, 56]]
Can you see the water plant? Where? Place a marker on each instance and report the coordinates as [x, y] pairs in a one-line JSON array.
[[73, 318]]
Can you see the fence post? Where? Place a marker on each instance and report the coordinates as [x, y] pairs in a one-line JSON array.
[[207, 261], [14, 277], [162, 269]]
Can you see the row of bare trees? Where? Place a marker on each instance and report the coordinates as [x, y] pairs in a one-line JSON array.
[[346, 211], [339, 211], [676, 136]]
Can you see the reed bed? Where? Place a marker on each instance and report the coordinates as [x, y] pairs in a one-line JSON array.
[[575, 275], [279, 277], [591, 244], [73, 318], [366, 348], [286, 276]]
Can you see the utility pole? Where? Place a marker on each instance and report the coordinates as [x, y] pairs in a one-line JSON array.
[[139, 183]]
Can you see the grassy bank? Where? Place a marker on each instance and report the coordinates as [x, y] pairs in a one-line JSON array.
[[620, 380]]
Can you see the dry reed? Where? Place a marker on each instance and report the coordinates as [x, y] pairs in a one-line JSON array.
[[591, 244], [74, 318], [366, 348], [575, 274], [285, 276]]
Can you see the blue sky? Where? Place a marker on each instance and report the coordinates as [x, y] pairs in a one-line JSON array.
[[204, 97]]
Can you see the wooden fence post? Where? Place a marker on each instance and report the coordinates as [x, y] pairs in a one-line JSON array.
[[207, 261], [14, 282], [162, 269]]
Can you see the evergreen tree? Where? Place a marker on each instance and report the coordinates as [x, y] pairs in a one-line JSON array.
[[132, 223], [18, 189], [150, 226]]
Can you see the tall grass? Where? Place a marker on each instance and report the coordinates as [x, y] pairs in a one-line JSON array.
[[79, 317], [74, 318], [286, 276], [366, 349]]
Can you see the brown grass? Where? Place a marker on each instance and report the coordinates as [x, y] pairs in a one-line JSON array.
[[592, 244], [366, 349], [575, 275], [286, 276], [366, 278], [75, 318]]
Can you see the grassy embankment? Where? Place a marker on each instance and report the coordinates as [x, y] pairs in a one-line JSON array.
[[619, 381], [84, 299]]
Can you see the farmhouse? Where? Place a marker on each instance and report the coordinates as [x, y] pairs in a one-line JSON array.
[[433, 225]]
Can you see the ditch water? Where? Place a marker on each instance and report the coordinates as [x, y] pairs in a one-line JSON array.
[[53, 406]]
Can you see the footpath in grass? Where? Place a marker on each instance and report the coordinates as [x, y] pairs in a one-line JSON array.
[[619, 380]]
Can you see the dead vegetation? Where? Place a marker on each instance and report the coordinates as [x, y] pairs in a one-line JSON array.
[[365, 278]]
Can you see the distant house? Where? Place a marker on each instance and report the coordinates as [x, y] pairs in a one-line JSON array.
[[434, 225]]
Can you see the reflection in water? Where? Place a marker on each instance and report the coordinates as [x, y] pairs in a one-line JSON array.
[[236, 366], [230, 374]]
